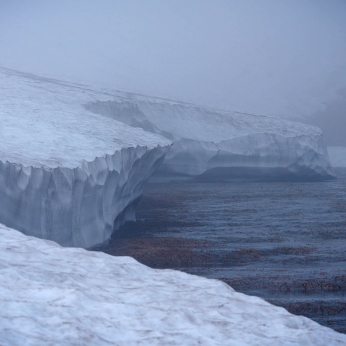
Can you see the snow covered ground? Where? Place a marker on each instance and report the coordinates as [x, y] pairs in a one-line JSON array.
[[67, 174], [337, 156], [208, 139], [51, 295], [44, 124]]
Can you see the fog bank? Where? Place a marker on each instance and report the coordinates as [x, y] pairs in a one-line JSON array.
[[282, 58]]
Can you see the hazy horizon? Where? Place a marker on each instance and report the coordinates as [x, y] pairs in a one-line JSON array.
[[284, 58]]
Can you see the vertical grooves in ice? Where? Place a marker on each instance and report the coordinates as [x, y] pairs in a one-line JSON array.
[[79, 206]]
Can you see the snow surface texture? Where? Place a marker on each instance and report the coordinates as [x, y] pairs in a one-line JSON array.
[[67, 174], [51, 295], [337, 156], [206, 139]]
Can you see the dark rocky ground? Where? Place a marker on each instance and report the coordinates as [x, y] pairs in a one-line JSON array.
[[283, 241]]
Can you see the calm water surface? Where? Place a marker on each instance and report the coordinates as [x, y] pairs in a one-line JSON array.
[[282, 241]]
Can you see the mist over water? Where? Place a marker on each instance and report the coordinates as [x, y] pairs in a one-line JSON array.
[[281, 58]]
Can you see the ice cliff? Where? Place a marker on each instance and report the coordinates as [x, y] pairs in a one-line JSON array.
[[51, 295], [67, 174], [222, 144]]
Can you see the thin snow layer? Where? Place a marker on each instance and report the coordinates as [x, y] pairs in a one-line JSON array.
[[205, 139], [337, 156], [67, 174], [66, 296]]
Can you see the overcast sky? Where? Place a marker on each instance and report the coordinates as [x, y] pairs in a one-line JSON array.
[[275, 57]]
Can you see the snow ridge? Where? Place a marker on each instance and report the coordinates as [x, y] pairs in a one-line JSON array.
[[66, 296]]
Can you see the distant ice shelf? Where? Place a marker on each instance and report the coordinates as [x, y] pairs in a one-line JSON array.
[[51, 295], [67, 174], [221, 145]]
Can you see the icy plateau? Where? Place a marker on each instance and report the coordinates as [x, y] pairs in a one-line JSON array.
[[51, 295], [67, 174]]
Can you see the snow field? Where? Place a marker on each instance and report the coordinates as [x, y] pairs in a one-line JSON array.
[[51, 295]]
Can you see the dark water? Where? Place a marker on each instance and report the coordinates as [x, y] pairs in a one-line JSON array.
[[285, 242]]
